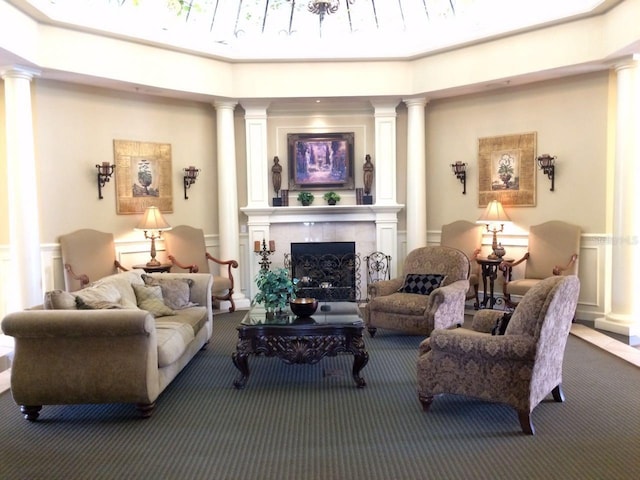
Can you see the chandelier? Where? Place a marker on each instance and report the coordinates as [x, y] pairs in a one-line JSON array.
[[325, 7]]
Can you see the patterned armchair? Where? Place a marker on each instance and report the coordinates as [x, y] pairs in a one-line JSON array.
[[439, 305], [519, 368]]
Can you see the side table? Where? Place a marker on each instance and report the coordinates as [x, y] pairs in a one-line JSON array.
[[489, 267], [162, 268]]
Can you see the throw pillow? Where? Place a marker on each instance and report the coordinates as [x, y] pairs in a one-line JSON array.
[[501, 324], [150, 299], [59, 300], [176, 292], [96, 304], [421, 283], [99, 293]]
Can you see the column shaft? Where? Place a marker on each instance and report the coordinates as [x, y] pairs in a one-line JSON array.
[[416, 175]]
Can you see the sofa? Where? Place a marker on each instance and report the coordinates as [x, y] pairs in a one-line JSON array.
[[122, 339]]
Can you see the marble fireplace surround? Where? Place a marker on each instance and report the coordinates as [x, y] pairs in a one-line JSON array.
[[371, 227]]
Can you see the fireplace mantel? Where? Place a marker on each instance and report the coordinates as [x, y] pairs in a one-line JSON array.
[[322, 213]]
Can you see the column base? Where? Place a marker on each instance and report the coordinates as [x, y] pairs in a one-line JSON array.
[[621, 325]]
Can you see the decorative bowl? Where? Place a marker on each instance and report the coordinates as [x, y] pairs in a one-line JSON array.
[[303, 307]]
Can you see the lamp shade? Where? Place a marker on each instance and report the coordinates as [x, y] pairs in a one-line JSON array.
[[494, 214], [153, 220]]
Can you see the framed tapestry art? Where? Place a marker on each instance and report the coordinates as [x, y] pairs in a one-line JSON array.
[[320, 161], [143, 176], [507, 170]]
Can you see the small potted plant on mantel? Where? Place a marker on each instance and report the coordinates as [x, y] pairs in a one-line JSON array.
[[305, 198], [332, 198]]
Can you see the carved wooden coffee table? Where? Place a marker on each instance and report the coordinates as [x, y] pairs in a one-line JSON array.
[[297, 340]]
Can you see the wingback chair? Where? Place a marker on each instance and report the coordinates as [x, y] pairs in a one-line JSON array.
[[439, 276], [519, 368], [87, 255], [466, 236], [552, 250], [186, 249]]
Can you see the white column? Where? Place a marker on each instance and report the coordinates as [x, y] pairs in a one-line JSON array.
[[416, 174], [25, 288], [385, 189], [624, 317], [259, 188], [227, 192]]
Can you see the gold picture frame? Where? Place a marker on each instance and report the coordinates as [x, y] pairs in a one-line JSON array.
[[143, 176], [507, 170]]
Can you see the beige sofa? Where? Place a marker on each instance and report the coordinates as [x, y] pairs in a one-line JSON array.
[[98, 345]]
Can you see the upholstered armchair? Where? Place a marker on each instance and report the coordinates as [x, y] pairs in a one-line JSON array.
[[553, 250], [466, 236], [519, 368], [429, 294], [186, 249], [87, 255]]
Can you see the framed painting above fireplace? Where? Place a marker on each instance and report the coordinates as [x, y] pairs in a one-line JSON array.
[[320, 161]]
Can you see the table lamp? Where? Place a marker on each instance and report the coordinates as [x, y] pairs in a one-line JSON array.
[[153, 221], [494, 217]]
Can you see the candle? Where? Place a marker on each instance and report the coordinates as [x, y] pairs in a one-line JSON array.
[[272, 245], [256, 246]]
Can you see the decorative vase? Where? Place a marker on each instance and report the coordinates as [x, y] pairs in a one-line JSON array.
[[499, 251]]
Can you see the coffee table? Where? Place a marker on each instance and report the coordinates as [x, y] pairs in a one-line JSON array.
[[296, 340]]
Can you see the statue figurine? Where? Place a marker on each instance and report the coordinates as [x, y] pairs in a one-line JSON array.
[[368, 174], [276, 175]]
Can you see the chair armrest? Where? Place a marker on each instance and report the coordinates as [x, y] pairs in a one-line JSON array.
[[229, 263], [82, 278], [446, 304], [468, 343], [119, 266], [559, 269], [384, 287], [193, 268], [507, 267]]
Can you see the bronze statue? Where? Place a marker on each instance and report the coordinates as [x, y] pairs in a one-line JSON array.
[[276, 175], [368, 174]]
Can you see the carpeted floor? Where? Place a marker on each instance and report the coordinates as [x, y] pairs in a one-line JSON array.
[[309, 421]]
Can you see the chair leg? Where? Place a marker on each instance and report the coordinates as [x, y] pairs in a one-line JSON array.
[[525, 422], [31, 412], [476, 305], [145, 409], [558, 394], [426, 401], [372, 331]]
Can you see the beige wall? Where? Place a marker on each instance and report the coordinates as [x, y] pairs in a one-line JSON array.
[[4, 220], [75, 127]]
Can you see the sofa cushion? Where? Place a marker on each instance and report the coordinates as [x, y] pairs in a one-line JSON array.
[[96, 304], [401, 303], [196, 317], [421, 283], [59, 300], [176, 292], [173, 338], [149, 298]]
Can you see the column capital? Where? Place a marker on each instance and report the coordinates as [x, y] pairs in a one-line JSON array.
[[225, 104], [630, 61], [385, 107], [18, 71], [416, 102], [255, 108]]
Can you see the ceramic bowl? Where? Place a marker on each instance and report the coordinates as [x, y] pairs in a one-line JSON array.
[[303, 307]]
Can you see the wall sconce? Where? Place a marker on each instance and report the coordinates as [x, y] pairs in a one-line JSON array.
[[547, 165], [104, 174], [460, 171], [190, 175]]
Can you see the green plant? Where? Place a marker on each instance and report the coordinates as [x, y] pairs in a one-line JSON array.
[[332, 197], [276, 288], [306, 198]]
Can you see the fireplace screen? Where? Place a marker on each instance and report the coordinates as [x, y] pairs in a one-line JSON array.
[[328, 271]]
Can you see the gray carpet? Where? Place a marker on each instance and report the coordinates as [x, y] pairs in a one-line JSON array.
[[309, 421]]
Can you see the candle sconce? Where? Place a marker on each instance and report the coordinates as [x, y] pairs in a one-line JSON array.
[[460, 171], [264, 252], [547, 164], [190, 175], [104, 174]]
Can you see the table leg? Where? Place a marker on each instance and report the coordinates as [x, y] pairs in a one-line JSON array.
[[241, 360], [360, 359]]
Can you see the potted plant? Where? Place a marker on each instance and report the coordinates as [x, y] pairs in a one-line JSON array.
[[276, 288], [305, 198], [332, 198]]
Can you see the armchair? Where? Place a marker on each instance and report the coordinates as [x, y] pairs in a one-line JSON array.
[[553, 250], [186, 249], [87, 255], [519, 368], [466, 236], [416, 313]]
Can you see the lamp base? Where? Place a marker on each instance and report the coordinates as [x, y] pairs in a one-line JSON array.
[[153, 263]]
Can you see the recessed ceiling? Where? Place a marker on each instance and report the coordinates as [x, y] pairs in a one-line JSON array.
[[243, 30]]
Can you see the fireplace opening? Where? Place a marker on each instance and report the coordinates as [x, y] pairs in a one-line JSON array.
[[327, 271]]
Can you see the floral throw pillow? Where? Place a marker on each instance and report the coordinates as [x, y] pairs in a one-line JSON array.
[[176, 292], [421, 283]]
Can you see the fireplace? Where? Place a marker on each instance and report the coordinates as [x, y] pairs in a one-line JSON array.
[[328, 271]]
